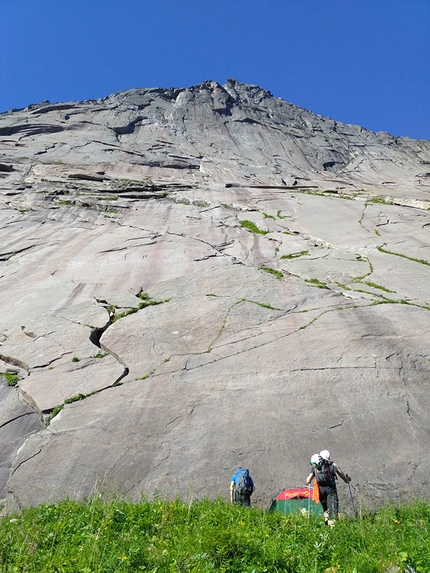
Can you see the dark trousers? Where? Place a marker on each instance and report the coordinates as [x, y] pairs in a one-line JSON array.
[[329, 500], [244, 500]]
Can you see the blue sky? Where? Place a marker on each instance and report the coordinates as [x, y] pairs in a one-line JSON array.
[[357, 61]]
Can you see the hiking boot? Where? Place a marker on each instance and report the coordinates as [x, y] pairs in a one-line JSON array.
[[331, 522]]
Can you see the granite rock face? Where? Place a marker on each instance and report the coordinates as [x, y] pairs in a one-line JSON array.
[[196, 279]]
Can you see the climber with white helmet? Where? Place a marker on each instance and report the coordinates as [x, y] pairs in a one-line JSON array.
[[325, 473]]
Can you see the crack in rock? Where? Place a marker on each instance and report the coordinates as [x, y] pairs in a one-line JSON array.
[[24, 461], [8, 255], [17, 418], [15, 362]]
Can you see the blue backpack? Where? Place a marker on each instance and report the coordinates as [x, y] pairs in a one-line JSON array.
[[243, 482]]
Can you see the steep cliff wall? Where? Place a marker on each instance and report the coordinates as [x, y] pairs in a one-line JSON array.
[[193, 279]]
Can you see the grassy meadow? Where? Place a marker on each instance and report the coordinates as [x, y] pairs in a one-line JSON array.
[[207, 536]]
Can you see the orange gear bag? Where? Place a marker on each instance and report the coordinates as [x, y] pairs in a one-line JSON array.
[[316, 493]]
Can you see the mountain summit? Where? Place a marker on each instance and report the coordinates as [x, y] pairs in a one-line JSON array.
[[194, 279], [233, 132]]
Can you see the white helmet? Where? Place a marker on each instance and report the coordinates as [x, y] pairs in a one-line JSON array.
[[316, 460], [325, 454]]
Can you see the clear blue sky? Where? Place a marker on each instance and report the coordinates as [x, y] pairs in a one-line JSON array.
[[357, 61]]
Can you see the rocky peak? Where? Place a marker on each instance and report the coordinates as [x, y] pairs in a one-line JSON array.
[[217, 124]]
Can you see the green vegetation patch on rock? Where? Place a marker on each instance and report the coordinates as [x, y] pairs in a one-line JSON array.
[[252, 227], [11, 378]]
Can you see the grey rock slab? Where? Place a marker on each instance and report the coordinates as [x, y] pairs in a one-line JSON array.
[[68, 381], [330, 267], [11, 406], [39, 347], [148, 338], [209, 419], [17, 422], [94, 315]]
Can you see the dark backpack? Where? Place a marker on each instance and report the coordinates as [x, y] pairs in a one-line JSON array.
[[325, 474], [243, 482]]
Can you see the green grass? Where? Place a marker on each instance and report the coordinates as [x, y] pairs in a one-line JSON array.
[[379, 201], [52, 415], [11, 380], [265, 305], [76, 398], [252, 227], [129, 184], [274, 272], [124, 313], [262, 304], [201, 204], [375, 285], [295, 255], [317, 283], [421, 261], [64, 202], [207, 537], [267, 216], [146, 301], [100, 354], [146, 376]]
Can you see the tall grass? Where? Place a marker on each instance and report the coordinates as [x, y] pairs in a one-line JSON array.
[[204, 537]]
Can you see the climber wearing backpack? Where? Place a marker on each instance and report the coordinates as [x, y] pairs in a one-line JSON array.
[[325, 473], [241, 487]]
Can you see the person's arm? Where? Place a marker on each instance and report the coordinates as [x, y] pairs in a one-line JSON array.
[[310, 478], [232, 492], [340, 473]]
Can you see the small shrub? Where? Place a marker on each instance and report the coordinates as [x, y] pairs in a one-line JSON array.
[[75, 359]]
